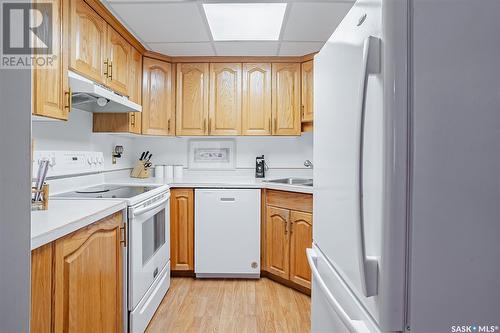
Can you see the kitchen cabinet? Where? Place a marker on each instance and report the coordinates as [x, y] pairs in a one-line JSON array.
[[277, 241], [256, 99], [125, 122], [77, 280], [225, 99], [288, 232], [182, 229], [158, 116], [42, 282], [286, 98], [51, 95], [300, 240], [118, 59], [192, 98], [88, 42], [307, 91]]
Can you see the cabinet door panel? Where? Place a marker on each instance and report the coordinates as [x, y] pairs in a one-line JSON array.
[[157, 111], [41, 289], [192, 99], [135, 89], [256, 112], [307, 91], [119, 58], [225, 99], [182, 229], [88, 40], [277, 241], [88, 278], [286, 98], [300, 240], [50, 85]]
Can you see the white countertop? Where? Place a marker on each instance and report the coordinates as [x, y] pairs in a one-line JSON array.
[[66, 216]]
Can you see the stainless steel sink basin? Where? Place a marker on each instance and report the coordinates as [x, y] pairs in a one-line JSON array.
[[292, 181]]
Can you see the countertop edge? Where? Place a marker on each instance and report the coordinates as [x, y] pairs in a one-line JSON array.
[[66, 229]]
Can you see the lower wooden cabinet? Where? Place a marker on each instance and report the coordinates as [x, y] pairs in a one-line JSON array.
[[77, 280], [288, 233], [182, 229]]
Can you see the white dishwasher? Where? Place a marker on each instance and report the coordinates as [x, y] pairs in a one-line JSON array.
[[227, 233]]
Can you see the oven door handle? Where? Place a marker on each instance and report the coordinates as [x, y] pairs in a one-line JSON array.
[[137, 212]]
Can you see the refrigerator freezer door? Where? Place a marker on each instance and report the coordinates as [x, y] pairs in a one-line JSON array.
[[348, 153], [334, 307]]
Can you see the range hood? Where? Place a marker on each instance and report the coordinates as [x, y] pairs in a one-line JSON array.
[[92, 97]]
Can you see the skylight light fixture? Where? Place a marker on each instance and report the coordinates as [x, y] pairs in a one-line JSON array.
[[245, 21]]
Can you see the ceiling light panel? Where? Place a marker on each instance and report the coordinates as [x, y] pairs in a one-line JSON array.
[[245, 21]]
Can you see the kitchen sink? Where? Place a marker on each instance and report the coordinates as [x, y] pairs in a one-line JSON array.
[[292, 181]]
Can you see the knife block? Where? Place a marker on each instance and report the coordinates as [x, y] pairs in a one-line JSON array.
[[140, 171]]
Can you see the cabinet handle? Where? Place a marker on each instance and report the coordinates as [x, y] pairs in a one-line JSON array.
[[106, 68], [275, 125], [68, 101], [111, 70], [123, 235], [291, 227], [168, 126], [270, 126], [302, 110], [133, 119], [209, 125], [286, 227]]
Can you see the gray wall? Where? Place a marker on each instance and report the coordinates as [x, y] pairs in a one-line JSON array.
[[15, 143], [455, 209]]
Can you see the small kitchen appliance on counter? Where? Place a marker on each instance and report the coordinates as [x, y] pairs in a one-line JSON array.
[[260, 167]]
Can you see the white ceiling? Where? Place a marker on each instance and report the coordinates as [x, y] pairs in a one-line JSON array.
[[180, 28]]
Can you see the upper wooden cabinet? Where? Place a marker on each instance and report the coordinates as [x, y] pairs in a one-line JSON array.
[[51, 95], [88, 41], [307, 91], [256, 100], [135, 89], [157, 96], [286, 98], [225, 99], [118, 60], [182, 229], [192, 98]]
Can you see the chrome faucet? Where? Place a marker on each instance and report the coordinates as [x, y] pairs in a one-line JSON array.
[[308, 164]]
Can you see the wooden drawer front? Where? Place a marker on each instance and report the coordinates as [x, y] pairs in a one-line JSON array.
[[290, 200]]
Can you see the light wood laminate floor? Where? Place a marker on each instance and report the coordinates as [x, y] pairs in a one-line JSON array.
[[232, 306]]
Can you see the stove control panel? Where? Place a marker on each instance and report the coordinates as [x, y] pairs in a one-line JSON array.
[[69, 162]]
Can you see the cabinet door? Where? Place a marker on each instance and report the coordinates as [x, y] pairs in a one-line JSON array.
[[157, 104], [307, 91], [88, 39], [225, 99], [51, 95], [286, 98], [192, 99], [88, 278], [41, 289], [135, 89], [256, 113], [182, 229], [300, 240], [277, 241], [118, 57]]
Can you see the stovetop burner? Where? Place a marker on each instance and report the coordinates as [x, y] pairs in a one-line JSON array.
[[107, 192]]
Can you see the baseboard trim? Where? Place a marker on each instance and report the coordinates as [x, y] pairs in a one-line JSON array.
[[286, 282]]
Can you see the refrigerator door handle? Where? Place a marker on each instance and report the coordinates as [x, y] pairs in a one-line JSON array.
[[353, 326], [368, 265]]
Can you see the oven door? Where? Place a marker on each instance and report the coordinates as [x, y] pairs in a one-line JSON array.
[[149, 249]]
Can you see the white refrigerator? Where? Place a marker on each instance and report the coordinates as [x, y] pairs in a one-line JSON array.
[[407, 169]]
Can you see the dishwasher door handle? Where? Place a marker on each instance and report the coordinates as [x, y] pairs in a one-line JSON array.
[[228, 199]]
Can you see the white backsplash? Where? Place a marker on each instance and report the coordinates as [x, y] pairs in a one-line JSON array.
[[281, 153]]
